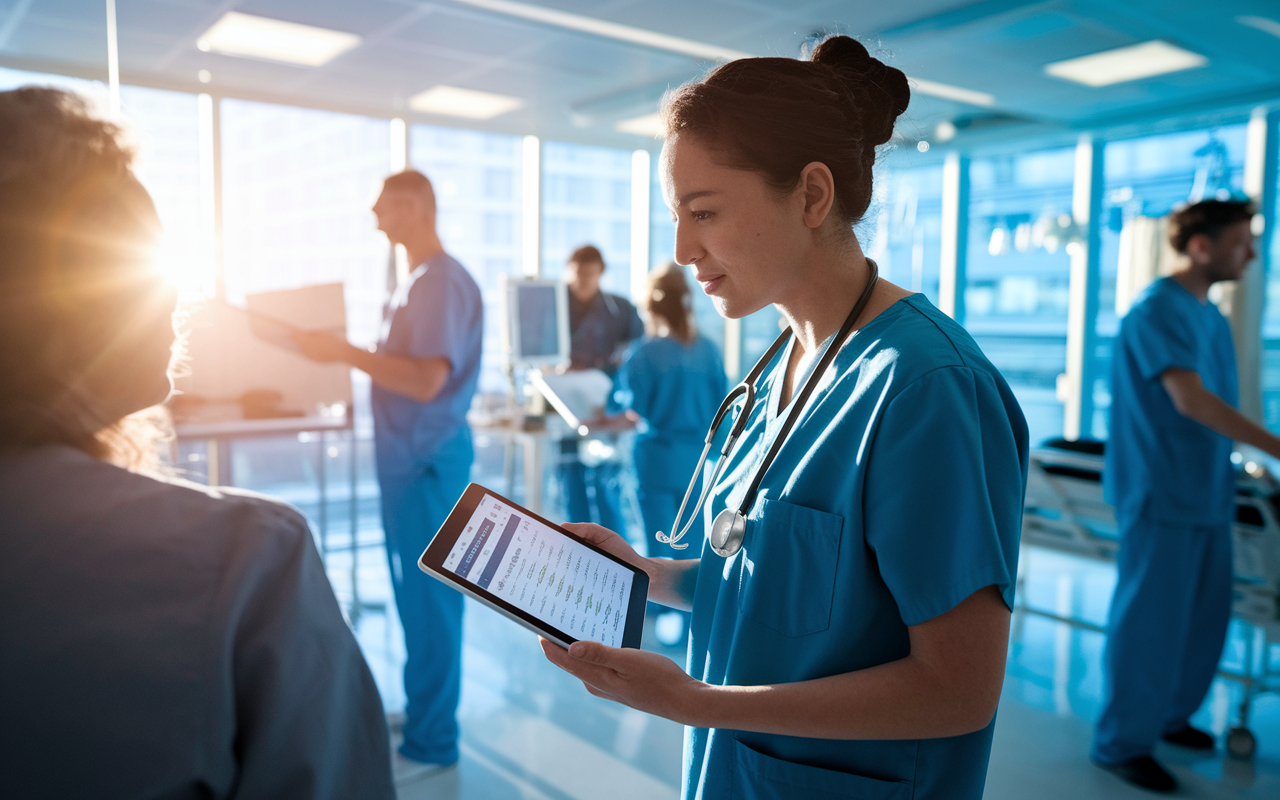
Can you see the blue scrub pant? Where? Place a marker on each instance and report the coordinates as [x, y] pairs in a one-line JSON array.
[[592, 494], [414, 506], [1165, 634]]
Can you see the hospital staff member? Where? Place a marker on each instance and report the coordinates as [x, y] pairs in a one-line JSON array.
[[1168, 472], [852, 600], [424, 372], [672, 380], [600, 326]]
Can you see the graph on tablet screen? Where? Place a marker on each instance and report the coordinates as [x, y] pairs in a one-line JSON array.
[[542, 572]]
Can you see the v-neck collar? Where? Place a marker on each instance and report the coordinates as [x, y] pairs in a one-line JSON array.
[[775, 409]]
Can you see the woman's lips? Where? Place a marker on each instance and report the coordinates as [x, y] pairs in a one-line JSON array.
[[709, 282]]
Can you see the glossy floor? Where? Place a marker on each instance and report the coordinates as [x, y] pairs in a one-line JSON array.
[[531, 731]]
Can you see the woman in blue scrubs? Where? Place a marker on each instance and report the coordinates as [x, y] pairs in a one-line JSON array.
[[673, 380], [854, 645]]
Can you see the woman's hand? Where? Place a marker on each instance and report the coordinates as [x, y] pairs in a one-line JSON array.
[[671, 583], [609, 542], [642, 680]]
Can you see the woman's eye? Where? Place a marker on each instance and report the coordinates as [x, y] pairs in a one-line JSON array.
[[701, 215]]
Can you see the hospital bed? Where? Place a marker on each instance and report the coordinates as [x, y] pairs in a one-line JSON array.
[[1065, 511]]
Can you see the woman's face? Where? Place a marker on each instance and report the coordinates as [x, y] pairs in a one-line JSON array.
[[745, 242]]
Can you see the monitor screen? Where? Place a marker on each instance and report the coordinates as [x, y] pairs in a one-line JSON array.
[[537, 322]]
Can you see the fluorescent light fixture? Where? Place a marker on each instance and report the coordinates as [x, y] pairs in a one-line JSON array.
[[648, 125], [1123, 64], [239, 34], [454, 102], [609, 30], [948, 92], [1261, 23]]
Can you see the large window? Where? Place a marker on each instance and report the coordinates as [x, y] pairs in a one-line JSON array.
[[1145, 179], [1018, 272], [586, 199], [476, 177], [902, 230], [1271, 319], [662, 248], [298, 185], [165, 126]]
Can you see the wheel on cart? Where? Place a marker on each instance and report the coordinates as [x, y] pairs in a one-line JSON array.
[[1241, 743]]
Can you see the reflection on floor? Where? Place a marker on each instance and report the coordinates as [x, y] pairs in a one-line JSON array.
[[531, 731]]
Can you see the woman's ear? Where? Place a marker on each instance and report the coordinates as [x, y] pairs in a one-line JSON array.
[[818, 187]]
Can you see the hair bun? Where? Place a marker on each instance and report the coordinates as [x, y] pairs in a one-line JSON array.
[[879, 92]]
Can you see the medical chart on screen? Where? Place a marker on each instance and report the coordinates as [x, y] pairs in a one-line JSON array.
[[545, 573]]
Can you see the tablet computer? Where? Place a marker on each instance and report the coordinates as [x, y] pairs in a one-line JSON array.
[[536, 572]]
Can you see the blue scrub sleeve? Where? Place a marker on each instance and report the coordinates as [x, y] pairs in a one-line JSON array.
[[942, 500], [308, 717], [438, 311], [632, 388], [1161, 337], [635, 327]]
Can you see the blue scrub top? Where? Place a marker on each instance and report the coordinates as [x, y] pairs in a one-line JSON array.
[[598, 330], [1161, 465], [898, 495], [437, 312], [676, 388]]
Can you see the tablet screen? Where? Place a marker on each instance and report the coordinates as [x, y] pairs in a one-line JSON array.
[[544, 573]]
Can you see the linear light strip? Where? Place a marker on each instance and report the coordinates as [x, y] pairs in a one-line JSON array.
[[531, 207], [640, 182], [609, 30]]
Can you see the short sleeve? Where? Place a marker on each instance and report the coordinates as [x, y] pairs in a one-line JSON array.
[[439, 313], [1160, 338], [942, 500]]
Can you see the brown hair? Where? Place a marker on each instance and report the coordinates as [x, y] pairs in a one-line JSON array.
[[667, 301], [1209, 217], [587, 254], [774, 116], [74, 227]]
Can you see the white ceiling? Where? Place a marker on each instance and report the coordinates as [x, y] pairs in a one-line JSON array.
[[576, 85]]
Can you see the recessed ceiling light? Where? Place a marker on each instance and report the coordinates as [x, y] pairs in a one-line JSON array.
[[1126, 64], [239, 34], [649, 125], [949, 92], [204, 75], [1261, 23], [455, 102]]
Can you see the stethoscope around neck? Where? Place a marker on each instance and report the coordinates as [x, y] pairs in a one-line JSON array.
[[729, 527]]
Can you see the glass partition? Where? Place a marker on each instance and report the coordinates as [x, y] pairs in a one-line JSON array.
[[586, 199], [902, 229], [1018, 272]]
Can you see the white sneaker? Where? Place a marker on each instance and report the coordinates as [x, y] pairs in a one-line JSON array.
[[669, 628], [405, 770]]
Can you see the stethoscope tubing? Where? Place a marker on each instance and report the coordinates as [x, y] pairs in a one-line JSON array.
[[747, 389]]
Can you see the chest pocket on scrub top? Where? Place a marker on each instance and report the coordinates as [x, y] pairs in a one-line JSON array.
[[789, 568]]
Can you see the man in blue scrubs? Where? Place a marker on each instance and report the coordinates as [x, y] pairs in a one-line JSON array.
[[1169, 475], [600, 326], [424, 374]]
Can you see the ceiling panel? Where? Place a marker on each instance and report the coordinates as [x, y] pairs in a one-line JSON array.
[[570, 78]]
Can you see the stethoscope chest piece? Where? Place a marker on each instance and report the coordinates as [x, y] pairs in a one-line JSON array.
[[728, 530]]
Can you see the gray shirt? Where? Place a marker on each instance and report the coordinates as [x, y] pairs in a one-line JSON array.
[[160, 639]]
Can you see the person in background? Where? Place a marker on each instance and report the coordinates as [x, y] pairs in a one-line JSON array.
[[1168, 472], [160, 638], [600, 326], [673, 380], [424, 372]]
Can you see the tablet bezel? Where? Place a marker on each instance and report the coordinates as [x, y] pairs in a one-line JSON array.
[[432, 562]]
